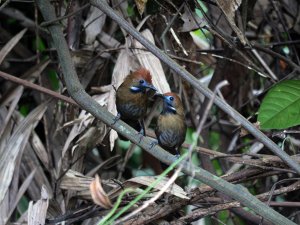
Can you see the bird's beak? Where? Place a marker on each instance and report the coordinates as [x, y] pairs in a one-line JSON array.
[[157, 94], [150, 86]]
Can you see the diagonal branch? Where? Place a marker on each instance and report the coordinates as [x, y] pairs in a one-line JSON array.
[[39, 88], [77, 92]]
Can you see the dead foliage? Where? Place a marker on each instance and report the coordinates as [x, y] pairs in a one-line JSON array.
[[60, 165]]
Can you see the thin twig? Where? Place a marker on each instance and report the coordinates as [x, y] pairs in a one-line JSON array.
[[205, 114], [273, 189], [36, 87], [200, 213], [45, 24], [263, 63], [275, 54], [153, 199], [284, 26], [4, 4]]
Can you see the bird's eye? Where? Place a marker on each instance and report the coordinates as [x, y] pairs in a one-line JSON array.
[[171, 98], [142, 81]]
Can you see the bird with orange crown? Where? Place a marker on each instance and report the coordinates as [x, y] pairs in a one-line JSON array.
[[132, 99], [171, 126]]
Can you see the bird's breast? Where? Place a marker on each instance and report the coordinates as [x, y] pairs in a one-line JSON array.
[[130, 105], [171, 130], [131, 111], [169, 138]]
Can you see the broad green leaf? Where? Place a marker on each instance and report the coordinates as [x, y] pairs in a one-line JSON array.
[[280, 108], [52, 75]]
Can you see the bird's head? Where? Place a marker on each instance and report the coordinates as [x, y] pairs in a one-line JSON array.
[[140, 81], [172, 103]]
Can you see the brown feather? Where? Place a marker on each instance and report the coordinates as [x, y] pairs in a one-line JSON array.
[[143, 73], [132, 105], [126, 99], [171, 127], [177, 103]]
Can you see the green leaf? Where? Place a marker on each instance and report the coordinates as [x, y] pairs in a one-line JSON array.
[[24, 109], [224, 216], [39, 44], [52, 75], [123, 144], [280, 108], [130, 11], [23, 204], [190, 137], [217, 167], [214, 140], [204, 8]]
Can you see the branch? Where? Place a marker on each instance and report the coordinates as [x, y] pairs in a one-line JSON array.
[[275, 54], [77, 92], [39, 88], [200, 213]]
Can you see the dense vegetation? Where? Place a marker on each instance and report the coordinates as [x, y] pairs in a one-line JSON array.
[[61, 164]]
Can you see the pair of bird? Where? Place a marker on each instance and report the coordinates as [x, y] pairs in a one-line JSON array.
[[132, 102]]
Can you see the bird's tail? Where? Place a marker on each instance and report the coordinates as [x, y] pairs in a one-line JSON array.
[[137, 125], [173, 151]]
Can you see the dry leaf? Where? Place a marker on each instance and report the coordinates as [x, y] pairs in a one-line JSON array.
[[9, 45], [16, 145], [191, 21], [151, 63], [141, 5], [93, 24], [146, 181], [125, 63], [229, 8], [83, 121], [16, 97], [75, 181], [98, 194], [40, 149], [30, 75], [37, 212], [78, 182]]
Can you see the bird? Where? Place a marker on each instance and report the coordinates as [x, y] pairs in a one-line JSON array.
[[132, 99], [171, 127]]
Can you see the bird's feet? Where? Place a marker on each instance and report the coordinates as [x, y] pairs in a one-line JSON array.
[[116, 119], [142, 132], [153, 143], [177, 155], [141, 135]]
